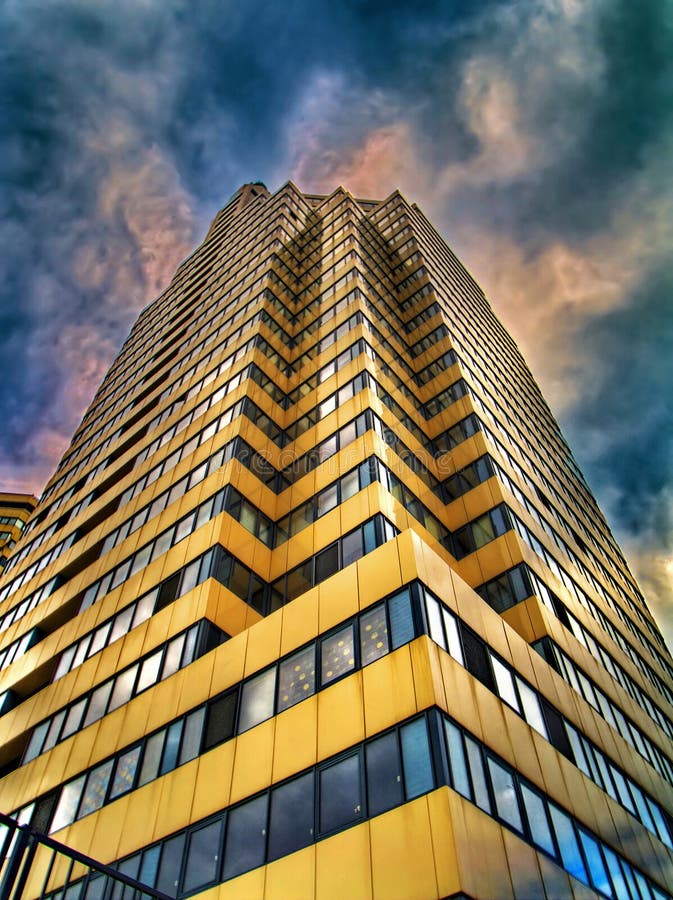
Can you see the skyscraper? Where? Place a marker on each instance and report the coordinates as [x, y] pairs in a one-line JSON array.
[[15, 510], [318, 604]]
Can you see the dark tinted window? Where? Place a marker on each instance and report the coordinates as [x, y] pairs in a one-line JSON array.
[[169, 867], [246, 837], [340, 801], [384, 774], [203, 855], [221, 717], [291, 820]]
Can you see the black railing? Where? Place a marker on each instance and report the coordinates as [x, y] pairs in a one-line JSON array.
[[36, 867]]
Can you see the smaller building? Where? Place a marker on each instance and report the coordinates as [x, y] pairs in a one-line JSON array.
[[15, 510]]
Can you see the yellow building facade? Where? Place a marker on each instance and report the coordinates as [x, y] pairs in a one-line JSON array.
[[15, 510], [318, 605]]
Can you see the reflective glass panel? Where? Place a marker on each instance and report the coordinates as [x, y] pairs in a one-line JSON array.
[[337, 655], [296, 678]]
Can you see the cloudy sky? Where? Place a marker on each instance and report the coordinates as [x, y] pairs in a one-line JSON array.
[[537, 135]]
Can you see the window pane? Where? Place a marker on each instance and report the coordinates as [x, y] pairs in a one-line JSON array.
[[149, 671], [401, 619], [504, 683], [191, 740], [98, 703], [257, 700], [326, 563], [203, 854], [123, 688], [170, 755], [73, 718], [151, 758], [351, 548], [531, 708], [221, 720], [340, 801], [435, 621], [567, 841], [459, 777], [594, 858], [451, 628], [476, 767], [384, 774], [296, 678], [67, 804], [291, 819], [337, 655], [246, 837], [418, 777], [373, 634], [173, 656], [326, 500], [537, 820], [504, 791], [125, 772], [96, 788], [169, 867]]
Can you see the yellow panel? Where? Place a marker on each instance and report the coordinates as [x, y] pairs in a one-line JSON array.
[[480, 851], [175, 802], [428, 683], [524, 870], [229, 662], [388, 686], [296, 739], [300, 621], [213, 782], [343, 866], [338, 598], [292, 876], [443, 845], [403, 864], [379, 573], [137, 828], [253, 761], [263, 643], [246, 887], [340, 716]]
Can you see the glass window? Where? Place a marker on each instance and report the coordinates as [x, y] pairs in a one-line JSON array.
[[340, 800], [453, 637], [170, 755], [418, 775], [337, 655], [121, 624], [151, 758], [373, 634], [326, 563], [123, 688], [149, 671], [98, 703], [384, 774], [435, 620], [351, 548], [125, 772], [538, 822], [567, 841], [203, 855], [459, 777], [296, 678], [299, 580], [504, 683], [100, 637], [191, 739], [73, 718], [96, 788], [246, 837], [291, 818], [170, 865], [349, 485], [221, 720], [594, 858], [326, 500], [257, 698], [531, 708], [67, 804], [401, 619], [173, 656], [476, 767], [504, 791]]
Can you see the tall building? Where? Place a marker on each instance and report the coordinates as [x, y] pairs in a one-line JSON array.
[[15, 510], [318, 604]]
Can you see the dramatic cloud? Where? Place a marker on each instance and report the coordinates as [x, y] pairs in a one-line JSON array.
[[537, 135]]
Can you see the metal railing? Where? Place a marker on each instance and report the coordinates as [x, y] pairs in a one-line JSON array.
[[34, 866]]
